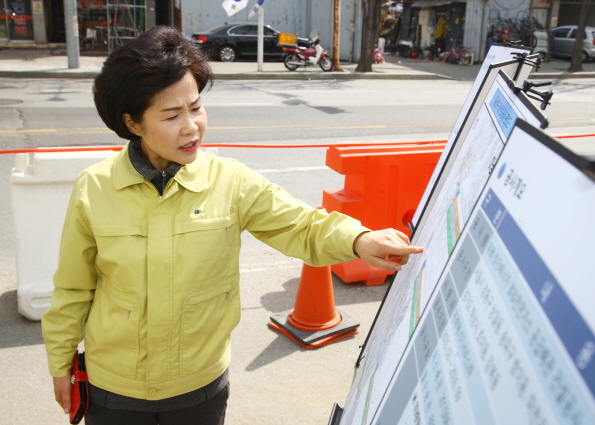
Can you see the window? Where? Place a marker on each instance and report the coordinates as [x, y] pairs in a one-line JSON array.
[[560, 32], [575, 32], [241, 30]]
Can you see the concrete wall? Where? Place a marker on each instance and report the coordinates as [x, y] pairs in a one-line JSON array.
[[475, 17], [38, 16], [284, 15], [300, 17], [508, 9]]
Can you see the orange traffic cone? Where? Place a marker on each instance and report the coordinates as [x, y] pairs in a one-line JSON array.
[[314, 321]]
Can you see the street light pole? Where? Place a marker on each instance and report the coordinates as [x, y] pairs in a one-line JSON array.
[[72, 33]]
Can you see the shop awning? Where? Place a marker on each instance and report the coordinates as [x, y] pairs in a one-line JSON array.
[[434, 3]]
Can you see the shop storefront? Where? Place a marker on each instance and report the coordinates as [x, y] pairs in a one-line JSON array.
[[440, 24], [16, 21], [101, 24], [106, 24]]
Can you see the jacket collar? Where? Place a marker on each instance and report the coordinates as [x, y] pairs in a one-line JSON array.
[[192, 176]]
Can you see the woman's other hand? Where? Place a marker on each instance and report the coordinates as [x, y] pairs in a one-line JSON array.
[[62, 390], [386, 249]]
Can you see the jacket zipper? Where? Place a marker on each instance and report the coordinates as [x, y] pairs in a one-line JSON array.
[[127, 314], [163, 175]]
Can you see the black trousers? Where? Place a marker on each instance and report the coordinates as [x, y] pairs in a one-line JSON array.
[[209, 412]]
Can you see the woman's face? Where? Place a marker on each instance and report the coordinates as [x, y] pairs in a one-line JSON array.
[[173, 127]]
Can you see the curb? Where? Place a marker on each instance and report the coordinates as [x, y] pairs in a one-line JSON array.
[[292, 76], [306, 76], [49, 74], [564, 75]]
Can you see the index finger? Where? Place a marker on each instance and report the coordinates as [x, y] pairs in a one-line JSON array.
[[404, 250]]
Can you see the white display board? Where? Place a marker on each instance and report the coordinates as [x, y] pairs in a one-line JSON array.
[[456, 191], [509, 335], [498, 57]]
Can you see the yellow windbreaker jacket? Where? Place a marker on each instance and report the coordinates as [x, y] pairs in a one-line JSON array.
[[154, 281]]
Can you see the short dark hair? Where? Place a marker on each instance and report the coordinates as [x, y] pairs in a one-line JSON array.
[[135, 72]]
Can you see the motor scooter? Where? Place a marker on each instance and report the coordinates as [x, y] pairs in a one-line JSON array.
[[299, 56], [457, 54], [378, 57]]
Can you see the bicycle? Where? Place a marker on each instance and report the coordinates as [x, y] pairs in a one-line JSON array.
[[457, 54]]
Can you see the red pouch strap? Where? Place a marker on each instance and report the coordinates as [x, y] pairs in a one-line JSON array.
[[80, 376]]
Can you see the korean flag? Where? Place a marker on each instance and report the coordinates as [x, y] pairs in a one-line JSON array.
[[234, 6], [254, 10]]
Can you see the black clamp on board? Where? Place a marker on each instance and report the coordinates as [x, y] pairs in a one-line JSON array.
[[528, 89], [336, 415], [525, 58], [589, 169]]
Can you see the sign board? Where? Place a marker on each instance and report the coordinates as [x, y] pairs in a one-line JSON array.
[[508, 335], [464, 175]]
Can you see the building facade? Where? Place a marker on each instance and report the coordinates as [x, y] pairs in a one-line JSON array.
[[104, 24]]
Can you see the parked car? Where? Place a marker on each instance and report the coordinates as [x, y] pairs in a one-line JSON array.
[[229, 42], [563, 41]]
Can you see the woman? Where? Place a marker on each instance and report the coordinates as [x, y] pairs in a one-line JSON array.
[[149, 260]]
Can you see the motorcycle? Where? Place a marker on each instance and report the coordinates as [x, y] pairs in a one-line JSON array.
[[299, 56]]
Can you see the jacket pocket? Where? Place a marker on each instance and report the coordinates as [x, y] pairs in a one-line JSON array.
[[204, 224], [112, 332], [216, 244], [117, 230], [209, 314], [121, 252]]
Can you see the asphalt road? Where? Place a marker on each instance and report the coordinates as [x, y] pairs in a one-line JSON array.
[[44, 113], [61, 112]]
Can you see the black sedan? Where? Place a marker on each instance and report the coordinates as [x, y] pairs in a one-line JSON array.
[[229, 42]]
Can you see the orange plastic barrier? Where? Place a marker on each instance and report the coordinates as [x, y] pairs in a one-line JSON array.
[[383, 186], [314, 321]]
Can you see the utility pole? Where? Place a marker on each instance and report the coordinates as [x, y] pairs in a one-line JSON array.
[[336, 26], [72, 33], [260, 41]]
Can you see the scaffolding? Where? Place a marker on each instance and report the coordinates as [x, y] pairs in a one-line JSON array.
[[125, 21]]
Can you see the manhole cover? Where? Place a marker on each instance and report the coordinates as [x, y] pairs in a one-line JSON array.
[[9, 101]]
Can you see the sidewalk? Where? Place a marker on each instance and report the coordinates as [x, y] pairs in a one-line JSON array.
[[53, 63]]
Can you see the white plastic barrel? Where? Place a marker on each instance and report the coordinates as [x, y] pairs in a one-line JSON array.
[[40, 187]]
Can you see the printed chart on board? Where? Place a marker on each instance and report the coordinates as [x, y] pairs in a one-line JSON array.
[[500, 57], [439, 231], [509, 335]]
